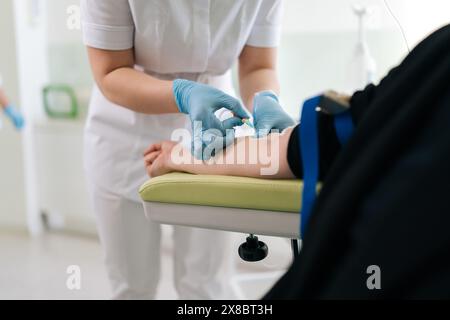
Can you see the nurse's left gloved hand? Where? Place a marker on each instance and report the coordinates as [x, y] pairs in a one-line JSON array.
[[15, 116], [269, 115], [201, 102]]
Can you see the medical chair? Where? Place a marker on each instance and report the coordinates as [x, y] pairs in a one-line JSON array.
[[236, 204]]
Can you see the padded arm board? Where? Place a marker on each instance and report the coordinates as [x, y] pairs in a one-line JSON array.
[[225, 192]]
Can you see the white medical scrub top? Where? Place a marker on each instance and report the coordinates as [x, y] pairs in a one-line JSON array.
[[182, 36], [198, 40]]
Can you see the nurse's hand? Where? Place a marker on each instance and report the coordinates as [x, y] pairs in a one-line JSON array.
[[200, 102], [269, 115], [15, 116]]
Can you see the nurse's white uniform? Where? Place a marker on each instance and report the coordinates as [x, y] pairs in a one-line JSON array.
[[196, 40]]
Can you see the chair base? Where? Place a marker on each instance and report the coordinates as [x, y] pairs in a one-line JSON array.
[[267, 223]]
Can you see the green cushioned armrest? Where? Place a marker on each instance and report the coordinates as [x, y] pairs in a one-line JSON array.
[[221, 191]]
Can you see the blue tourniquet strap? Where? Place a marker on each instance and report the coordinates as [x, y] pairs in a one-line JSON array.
[[309, 146], [344, 126]]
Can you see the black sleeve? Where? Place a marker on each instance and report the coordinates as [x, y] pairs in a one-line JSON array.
[[294, 154], [361, 100], [329, 146], [403, 223]]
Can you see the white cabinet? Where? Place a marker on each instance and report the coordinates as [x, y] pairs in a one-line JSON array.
[[62, 192]]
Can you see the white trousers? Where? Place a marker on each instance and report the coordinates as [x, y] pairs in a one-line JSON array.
[[115, 140], [131, 246]]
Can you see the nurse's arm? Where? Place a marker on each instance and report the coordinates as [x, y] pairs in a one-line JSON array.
[[248, 157], [257, 72], [122, 84]]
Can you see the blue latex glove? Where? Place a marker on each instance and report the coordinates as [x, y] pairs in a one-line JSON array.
[[200, 102], [269, 115], [14, 115]]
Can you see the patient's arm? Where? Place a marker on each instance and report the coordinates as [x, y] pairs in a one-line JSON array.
[[276, 156], [248, 157]]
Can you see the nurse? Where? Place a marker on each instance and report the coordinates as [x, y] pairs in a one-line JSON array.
[[160, 65]]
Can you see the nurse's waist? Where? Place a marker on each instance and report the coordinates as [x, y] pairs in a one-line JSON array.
[[197, 77], [149, 129]]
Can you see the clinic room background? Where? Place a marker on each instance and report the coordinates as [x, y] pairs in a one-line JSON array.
[[46, 224]]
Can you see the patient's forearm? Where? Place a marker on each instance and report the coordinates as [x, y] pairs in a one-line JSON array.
[[248, 157]]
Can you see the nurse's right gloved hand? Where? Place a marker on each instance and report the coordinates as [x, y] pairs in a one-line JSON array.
[[201, 102], [16, 118]]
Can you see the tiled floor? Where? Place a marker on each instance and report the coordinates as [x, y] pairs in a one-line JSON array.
[[35, 268]]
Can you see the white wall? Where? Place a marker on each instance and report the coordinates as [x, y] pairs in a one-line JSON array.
[[420, 17], [12, 190], [318, 43], [319, 38], [327, 15], [67, 52]]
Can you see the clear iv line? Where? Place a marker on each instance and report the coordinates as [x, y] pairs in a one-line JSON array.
[[398, 24]]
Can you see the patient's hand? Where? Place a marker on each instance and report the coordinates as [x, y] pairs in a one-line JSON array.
[[158, 158]]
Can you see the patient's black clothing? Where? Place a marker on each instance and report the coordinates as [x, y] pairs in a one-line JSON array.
[[386, 196]]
